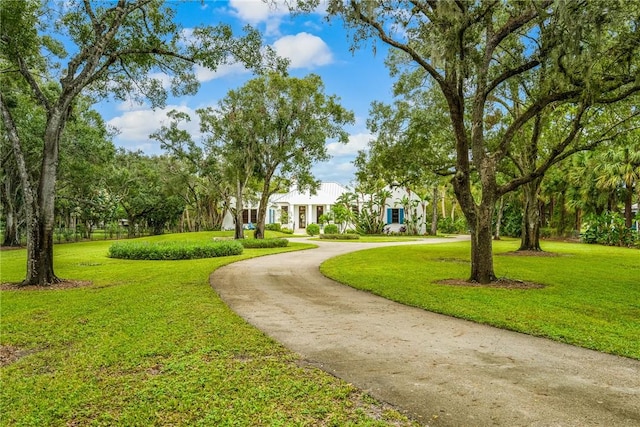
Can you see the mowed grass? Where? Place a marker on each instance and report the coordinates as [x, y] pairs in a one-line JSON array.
[[591, 296], [150, 343]]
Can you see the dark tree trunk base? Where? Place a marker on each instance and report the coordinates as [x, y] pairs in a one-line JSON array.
[[43, 283], [530, 248]]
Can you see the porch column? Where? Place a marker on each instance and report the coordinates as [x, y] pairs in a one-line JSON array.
[[310, 214]]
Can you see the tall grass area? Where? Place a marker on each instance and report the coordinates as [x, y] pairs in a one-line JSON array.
[[591, 296], [150, 343]]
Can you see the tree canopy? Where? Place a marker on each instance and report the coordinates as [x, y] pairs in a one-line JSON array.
[[99, 49], [274, 129], [576, 54]]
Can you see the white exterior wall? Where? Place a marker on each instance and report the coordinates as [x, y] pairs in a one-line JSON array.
[[326, 197], [394, 202]]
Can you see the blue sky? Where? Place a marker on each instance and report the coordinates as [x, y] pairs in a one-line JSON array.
[[313, 46]]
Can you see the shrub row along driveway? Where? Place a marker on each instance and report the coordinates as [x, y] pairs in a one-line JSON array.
[[439, 370]]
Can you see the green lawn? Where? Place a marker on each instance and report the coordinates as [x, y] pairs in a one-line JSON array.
[[377, 238], [150, 343], [591, 296]]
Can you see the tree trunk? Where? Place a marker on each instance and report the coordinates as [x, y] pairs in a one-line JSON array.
[[530, 238], [39, 208], [563, 214], [434, 211], [9, 196], [481, 246], [628, 201], [131, 226], [11, 233], [479, 218], [42, 272], [187, 219], [262, 213], [239, 231], [496, 232]]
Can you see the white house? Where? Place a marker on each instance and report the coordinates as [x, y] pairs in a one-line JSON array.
[[298, 209], [401, 207], [304, 208]]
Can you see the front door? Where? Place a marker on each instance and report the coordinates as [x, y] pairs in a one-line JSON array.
[[319, 212], [302, 217]]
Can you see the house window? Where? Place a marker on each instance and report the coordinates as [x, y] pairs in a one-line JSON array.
[[249, 215], [395, 216]]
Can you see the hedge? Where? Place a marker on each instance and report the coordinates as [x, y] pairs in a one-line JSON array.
[[340, 236], [331, 229], [276, 226], [174, 250], [264, 243]]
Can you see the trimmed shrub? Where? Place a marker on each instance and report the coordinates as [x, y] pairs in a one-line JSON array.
[[339, 236], [286, 230], [174, 250], [264, 243], [274, 226], [331, 229], [313, 229]]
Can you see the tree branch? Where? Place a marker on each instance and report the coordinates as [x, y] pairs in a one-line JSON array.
[[555, 156], [11, 131], [42, 99], [534, 109], [511, 73], [392, 42], [97, 25], [630, 91]]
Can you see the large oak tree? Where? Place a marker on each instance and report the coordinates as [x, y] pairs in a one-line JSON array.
[[471, 49], [273, 129], [100, 49]]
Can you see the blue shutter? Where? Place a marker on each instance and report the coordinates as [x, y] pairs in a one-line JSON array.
[[388, 215], [401, 216]]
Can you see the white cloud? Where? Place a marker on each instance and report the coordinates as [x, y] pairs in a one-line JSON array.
[[135, 126], [131, 105], [204, 74], [357, 142], [304, 50], [257, 11]]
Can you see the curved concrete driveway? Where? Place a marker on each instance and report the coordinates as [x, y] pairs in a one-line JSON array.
[[439, 370]]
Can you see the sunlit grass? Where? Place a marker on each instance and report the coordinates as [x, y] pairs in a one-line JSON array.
[[377, 238], [150, 343], [591, 296]]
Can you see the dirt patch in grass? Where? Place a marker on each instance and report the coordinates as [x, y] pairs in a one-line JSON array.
[[500, 283], [10, 354], [530, 253], [62, 284]]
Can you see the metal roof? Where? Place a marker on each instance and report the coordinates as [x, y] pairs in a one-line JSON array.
[[326, 195]]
